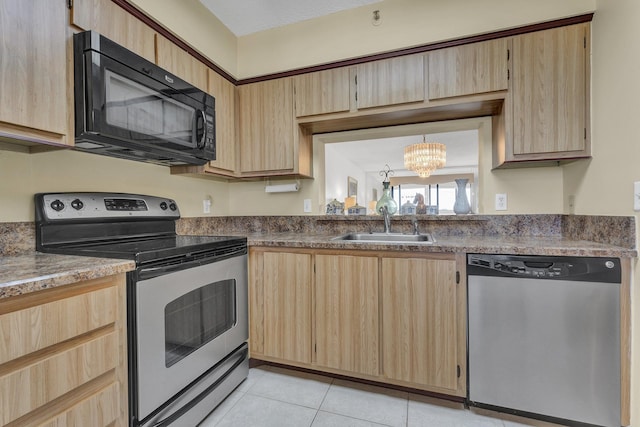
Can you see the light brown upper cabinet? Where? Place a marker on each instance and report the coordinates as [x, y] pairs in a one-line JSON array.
[[178, 61], [271, 142], [225, 94], [468, 70], [347, 322], [322, 92], [390, 81], [33, 65], [225, 164], [113, 22], [549, 95], [422, 326]]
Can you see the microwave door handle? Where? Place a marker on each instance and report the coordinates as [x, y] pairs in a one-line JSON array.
[[201, 143]]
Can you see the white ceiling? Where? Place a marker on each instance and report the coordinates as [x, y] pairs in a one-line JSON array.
[[371, 155], [244, 17]]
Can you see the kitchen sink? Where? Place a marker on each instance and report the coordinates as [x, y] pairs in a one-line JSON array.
[[387, 237]]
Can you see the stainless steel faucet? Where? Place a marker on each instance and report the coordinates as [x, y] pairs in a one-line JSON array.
[[414, 221], [384, 210]]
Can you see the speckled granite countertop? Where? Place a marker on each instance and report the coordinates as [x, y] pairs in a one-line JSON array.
[[20, 274], [516, 245], [24, 273], [23, 270]]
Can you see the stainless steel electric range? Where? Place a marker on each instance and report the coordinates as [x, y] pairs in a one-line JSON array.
[[186, 300]]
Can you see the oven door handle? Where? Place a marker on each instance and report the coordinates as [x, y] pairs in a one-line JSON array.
[[145, 273], [186, 408]]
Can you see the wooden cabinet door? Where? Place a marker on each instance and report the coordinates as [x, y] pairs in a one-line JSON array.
[[549, 91], [178, 61], [63, 351], [287, 306], [420, 323], [390, 81], [322, 92], [347, 327], [267, 126], [113, 22], [33, 70], [225, 93], [468, 69]]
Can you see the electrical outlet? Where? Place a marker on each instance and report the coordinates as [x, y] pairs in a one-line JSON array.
[[307, 205], [501, 202], [636, 196], [206, 206], [572, 204]]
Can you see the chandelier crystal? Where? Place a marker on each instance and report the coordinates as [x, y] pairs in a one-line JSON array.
[[425, 157]]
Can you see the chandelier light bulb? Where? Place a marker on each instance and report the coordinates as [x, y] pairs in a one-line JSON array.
[[425, 157]]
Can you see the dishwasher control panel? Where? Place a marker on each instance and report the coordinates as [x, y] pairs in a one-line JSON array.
[[542, 267]]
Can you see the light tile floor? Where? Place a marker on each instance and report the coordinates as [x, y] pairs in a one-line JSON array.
[[276, 397]]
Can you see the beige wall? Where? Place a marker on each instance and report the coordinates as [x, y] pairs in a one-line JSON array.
[[604, 185], [193, 23], [404, 23], [23, 175]]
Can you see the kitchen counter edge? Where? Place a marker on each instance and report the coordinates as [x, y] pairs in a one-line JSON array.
[[520, 245], [22, 274], [31, 272]]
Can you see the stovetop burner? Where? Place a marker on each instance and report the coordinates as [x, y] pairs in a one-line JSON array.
[[115, 225]]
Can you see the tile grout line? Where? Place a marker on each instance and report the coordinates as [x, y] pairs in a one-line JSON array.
[[323, 399], [242, 394], [407, 419]]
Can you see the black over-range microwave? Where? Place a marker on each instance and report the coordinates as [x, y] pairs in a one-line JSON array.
[[128, 107]]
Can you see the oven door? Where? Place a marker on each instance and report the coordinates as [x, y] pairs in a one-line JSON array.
[[186, 322]]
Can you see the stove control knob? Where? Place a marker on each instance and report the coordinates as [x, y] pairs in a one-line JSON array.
[[173, 206], [163, 206], [57, 205], [77, 204]]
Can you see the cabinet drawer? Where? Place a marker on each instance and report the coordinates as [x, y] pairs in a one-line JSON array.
[[32, 329], [100, 409], [39, 379]]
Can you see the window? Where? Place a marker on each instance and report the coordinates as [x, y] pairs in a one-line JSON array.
[[438, 198]]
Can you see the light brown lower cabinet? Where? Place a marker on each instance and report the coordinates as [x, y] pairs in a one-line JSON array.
[[282, 281], [393, 317], [421, 323], [347, 320], [63, 356]]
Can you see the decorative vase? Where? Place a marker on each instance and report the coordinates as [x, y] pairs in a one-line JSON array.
[[387, 200], [461, 206]]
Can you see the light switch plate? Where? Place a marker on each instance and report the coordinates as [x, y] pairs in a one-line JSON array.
[[307, 205], [206, 206], [636, 196], [501, 202]]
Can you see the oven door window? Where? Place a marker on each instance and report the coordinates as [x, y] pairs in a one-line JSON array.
[[198, 317]]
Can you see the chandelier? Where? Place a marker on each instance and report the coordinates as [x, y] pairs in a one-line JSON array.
[[425, 157]]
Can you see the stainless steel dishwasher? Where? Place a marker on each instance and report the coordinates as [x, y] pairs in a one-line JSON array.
[[544, 337]]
